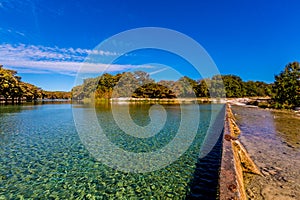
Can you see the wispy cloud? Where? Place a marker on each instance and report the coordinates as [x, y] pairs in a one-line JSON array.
[[33, 52], [20, 33], [41, 59], [11, 33]]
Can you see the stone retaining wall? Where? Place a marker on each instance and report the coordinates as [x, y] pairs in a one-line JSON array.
[[235, 162]]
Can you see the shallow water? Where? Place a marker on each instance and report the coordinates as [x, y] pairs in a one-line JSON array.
[[42, 156], [272, 141]]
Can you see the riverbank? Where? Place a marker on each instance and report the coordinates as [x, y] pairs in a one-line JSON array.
[[272, 140], [235, 161], [131, 100]]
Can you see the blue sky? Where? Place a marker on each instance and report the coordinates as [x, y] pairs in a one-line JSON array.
[[46, 41]]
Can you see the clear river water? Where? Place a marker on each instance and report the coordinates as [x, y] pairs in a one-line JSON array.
[[42, 156]]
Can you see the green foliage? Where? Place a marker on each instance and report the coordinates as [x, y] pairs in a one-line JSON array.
[[233, 86], [135, 84], [187, 87], [142, 77], [77, 92], [10, 84], [257, 89], [139, 85], [183, 88], [108, 85], [285, 91], [287, 86], [153, 90], [11, 87], [202, 88], [56, 95], [126, 85], [216, 87]]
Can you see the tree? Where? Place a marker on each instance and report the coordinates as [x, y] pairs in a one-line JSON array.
[[216, 88], [233, 86], [257, 89], [188, 87], [127, 82], [142, 77], [184, 87], [202, 89], [105, 85], [126, 85], [153, 90], [56, 94], [9, 84], [287, 86], [31, 92], [11, 87], [130, 84]]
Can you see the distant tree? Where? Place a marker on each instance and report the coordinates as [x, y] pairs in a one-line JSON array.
[[216, 88], [153, 90], [142, 77], [184, 87], [9, 84], [55, 94], [12, 88], [126, 85], [257, 89], [287, 86], [233, 86], [202, 88], [89, 86], [129, 84], [77, 92], [189, 86], [106, 83], [31, 92], [171, 85]]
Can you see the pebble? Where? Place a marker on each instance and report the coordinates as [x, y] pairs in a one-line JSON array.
[[284, 179], [278, 168], [272, 172], [250, 193], [265, 173]]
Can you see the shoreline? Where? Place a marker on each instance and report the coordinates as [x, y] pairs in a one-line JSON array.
[[236, 161], [271, 138]]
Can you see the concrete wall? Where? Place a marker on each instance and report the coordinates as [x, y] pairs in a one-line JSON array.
[[235, 162]]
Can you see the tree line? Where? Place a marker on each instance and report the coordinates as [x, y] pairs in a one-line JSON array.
[[284, 92], [286, 88], [14, 90], [138, 84]]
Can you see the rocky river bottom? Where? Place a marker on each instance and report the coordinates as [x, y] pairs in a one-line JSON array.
[[272, 139]]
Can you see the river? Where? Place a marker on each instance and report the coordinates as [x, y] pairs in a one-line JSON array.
[[45, 154]]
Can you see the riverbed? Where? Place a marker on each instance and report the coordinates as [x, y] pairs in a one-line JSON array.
[[43, 156], [272, 139]]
